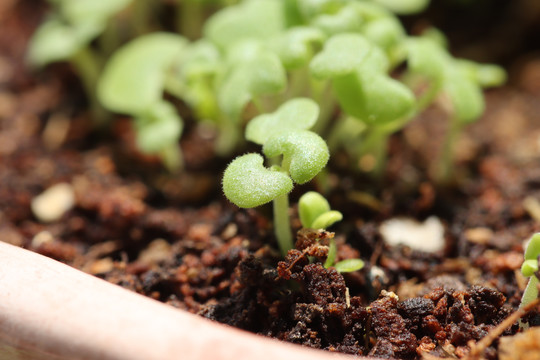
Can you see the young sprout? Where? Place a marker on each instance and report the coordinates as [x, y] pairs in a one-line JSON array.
[[461, 82], [133, 83], [248, 183], [315, 213], [357, 70], [66, 36], [530, 270]]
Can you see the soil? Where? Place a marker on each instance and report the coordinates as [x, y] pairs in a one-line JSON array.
[[176, 239]]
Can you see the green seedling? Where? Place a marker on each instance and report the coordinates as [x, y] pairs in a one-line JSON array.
[[315, 213], [248, 183], [460, 81], [529, 269], [66, 35], [133, 83], [357, 70], [404, 7]]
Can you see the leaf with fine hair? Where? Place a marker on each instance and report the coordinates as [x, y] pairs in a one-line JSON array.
[[134, 77], [247, 183], [342, 54], [305, 153], [254, 19], [295, 114]]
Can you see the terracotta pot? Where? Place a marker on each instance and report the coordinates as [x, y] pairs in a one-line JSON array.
[[49, 310]]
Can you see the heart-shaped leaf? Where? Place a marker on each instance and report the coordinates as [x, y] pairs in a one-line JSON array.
[[374, 98], [295, 114], [159, 127], [388, 34], [134, 77], [304, 151], [342, 54], [247, 183], [427, 58], [255, 19]]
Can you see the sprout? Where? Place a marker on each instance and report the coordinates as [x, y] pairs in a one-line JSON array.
[[247, 183], [133, 82], [530, 269], [315, 213]]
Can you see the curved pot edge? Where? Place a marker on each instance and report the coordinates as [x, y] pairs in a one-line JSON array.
[[50, 310]]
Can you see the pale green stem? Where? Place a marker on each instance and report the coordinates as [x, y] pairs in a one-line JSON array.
[[172, 158], [446, 161], [282, 226], [229, 137], [428, 96], [88, 68], [189, 18], [530, 293], [375, 144], [327, 104]]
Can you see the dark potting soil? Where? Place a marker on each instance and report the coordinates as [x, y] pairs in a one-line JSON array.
[[176, 239]]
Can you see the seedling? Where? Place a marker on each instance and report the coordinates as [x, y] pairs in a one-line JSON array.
[[248, 183], [530, 268], [315, 213], [461, 82], [133, 83], [66, 34]]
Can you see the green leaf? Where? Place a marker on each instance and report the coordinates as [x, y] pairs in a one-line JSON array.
[[255, 19], [55, 40], [529, 267], [349, 265], [296, 47], [373, 98], [427, 58], [327, 219], [247, 183], [466, 97], [342, 54], [344, 21], [310, 206], [388, 34], [295, 114], [159, 127], [201, 58], [485, 75], [314, 8], [375, 61], [404, 7], [81, 11], [259, 74], [533, 248], [134, 77], [305, 151]]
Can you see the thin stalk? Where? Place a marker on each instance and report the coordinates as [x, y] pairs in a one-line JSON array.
[[428, 96], [446, 161], [142, 10], [327, 104], [88, 67], [172, 158], [189, 18], [375, 145], [229, 137], [529, 295], [282, 226]]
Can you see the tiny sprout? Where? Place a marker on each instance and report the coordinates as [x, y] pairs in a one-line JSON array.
[[315, 213], [404, 7], [530, 269], [247, 183]]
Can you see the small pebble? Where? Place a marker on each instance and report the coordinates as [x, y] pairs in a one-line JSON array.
[[53, 203], [427, 236], [41, 238]]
